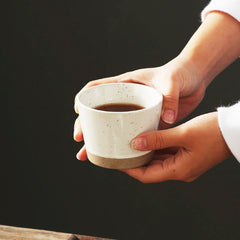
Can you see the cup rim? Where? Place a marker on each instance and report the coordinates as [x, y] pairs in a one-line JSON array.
[[114, 112]]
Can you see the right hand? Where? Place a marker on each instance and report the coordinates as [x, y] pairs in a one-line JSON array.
[[177, 80], [186, 151]]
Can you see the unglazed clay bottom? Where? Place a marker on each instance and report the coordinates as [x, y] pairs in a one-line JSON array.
[[120, 163]]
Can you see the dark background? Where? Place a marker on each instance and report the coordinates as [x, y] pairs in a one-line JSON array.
[[50, 50]]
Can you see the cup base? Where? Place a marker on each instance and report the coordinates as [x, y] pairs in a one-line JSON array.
[[120, 163]]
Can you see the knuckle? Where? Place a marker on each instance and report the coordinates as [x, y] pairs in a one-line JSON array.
[[171, 99], [91, 83], [190, 179], [182, 176], [174, 173], [77, 123], [174, 76], [185, 176], [158, 140], [144, 181], [125, 77], [186, 135]]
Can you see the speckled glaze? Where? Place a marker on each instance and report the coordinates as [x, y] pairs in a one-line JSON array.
[[108, 134]]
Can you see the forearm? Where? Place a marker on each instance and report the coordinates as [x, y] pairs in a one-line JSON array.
[[214, 46]]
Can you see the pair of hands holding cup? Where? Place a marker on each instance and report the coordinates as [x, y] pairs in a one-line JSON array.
[[187, 151], [184, 152]]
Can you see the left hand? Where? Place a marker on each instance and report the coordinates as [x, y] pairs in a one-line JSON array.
[[177, 80], [189, 150]]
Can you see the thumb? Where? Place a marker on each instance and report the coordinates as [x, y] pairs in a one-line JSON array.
[[158, 139], [170, 103]]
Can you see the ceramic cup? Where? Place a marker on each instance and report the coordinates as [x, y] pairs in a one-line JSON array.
[[108, 134]]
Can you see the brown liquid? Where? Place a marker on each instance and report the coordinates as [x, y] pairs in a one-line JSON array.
[[119, 107]]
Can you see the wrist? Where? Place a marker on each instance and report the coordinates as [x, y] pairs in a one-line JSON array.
[[213, 47]]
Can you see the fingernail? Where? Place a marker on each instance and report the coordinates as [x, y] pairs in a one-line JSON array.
[[168, 116], [139, 143]]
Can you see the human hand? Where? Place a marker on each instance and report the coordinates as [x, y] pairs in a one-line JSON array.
[[177, 81], [183, 80], [186, 151]]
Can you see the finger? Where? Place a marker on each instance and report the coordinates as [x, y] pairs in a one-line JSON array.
[[158, 171], [156, 161], [77, 134], [122, 78], [125, 77], [75, 104], [95, 83], [170, 102], [114, 79], [155, 140], [171, 151], [160, 157], [82, 154], [130, 77]]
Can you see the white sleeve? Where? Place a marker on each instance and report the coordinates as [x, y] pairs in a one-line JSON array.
[[229, 123], [232, 7], [228, 117]]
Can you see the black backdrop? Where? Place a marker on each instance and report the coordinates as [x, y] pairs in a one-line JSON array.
[[51, 49]]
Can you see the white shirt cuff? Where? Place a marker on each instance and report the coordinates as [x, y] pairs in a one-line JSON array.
[[229, 123], [232, 7]]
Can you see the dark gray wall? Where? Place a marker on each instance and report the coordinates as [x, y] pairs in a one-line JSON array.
[[51, 50]]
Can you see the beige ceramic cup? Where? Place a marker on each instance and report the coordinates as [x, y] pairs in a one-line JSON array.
[[108, 135]]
